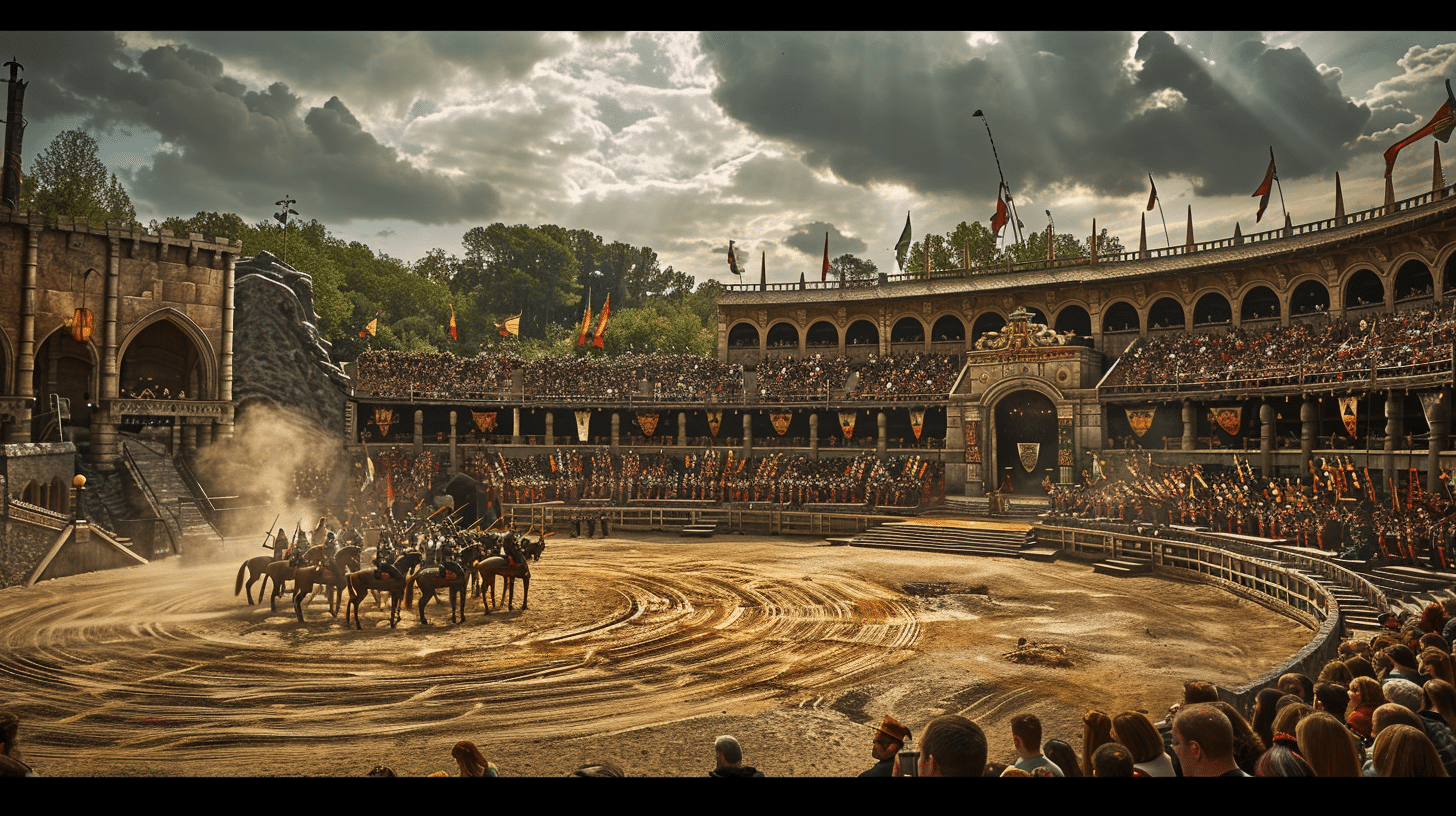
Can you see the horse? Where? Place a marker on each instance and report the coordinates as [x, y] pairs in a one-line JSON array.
[[511, 567], [363, 581], [333, 578], [256, 568], [281, 571], [448, 575]]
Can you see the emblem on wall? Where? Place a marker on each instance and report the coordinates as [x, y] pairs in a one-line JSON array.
[[715, 421], [917, 420], [383, 418], [1028, 451], [972, 428], [648, 423], [846, 422], [1348, 407], [583, 422], [1230, 419], [1141, 419], [484, 420], [780, 420]]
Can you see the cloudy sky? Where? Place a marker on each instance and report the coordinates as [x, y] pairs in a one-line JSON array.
[[681, 141]]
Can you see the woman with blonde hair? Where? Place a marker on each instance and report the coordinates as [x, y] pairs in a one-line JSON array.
[[1365, 697], [1096, 732], [1135, 732], [1405, 751], [1327, 745], [471, 761]]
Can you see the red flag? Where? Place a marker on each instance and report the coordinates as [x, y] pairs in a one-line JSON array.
[[824, 273], [1000, 218], [1440, 126], [602, 321], [454, 335], [1265, 187], [1153, 196], [585, 325]]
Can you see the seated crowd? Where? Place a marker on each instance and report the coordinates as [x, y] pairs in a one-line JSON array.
[[905, 377], [1303, 352]]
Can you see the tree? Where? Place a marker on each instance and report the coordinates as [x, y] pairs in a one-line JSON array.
[[68, 179], [848, 267]]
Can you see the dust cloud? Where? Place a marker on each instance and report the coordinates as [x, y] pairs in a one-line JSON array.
[[274, 456]]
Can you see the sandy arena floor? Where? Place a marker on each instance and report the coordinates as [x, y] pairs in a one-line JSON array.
[[635, 651]]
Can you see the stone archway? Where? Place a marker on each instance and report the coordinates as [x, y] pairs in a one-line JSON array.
[[1024, 417]]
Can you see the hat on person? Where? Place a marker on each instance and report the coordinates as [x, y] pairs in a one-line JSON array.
[[891, 727], [1403, 692]]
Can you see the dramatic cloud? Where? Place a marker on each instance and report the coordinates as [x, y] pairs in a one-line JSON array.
[[809, 239], [1094, 107]]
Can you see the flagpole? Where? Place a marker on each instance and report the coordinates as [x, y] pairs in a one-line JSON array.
[[1279, 184], [1166, 238], [1014, 215]]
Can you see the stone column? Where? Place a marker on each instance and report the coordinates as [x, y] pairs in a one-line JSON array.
[[813, 435], [550, 428], [1266, 440], [682, 429], [104, 446], [1393, 430], [616, 430], [515, 426], [25, 354], [1440, 421], [1190, 425], [1308, 427], [189, 438], [882, 441], [419, 432], [747, 435], [454, 445], [176, 444]]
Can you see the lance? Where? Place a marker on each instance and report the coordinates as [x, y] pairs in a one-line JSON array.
[[270, 530]]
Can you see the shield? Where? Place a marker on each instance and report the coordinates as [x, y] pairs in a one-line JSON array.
[[780, 420], [648, 423], [846, 422], [583, 421], [715, 421], [484, 420], [1141, 419], [1229, 419], [1029, 451], [917, 420], [1348, 413]]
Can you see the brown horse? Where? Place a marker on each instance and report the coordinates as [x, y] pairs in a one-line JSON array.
[[363, 582], [511, 567], [332, 578], [447, 576], [255, 568]]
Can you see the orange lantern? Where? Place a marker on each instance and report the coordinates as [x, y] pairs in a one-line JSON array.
[[82, 324]]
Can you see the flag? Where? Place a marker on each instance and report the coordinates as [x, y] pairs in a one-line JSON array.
[[512, 325], [1265, 187], [733, 262], [372, 328], [824, 273], [902, 247], [1440, 126], [585, 325], [454, 334], [602, 321], [1153, 196], [1001, 217]]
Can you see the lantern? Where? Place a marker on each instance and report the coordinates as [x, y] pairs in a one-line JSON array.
[[82, 324]]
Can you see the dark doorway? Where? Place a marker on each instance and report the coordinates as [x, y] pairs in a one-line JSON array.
[[1026, 417]]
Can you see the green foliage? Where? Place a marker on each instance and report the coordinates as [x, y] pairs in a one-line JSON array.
[[68, 179], [519, 270], [848, 267], [972, 246], [659, 325]]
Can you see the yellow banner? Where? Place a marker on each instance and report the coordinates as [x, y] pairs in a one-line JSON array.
[[781, 420]]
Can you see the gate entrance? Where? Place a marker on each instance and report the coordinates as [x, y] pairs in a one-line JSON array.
[[1026, 434]]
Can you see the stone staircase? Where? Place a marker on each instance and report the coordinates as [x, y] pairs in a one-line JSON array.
[[167, 493], [1024, 507], [988, 539], [1125, 566]]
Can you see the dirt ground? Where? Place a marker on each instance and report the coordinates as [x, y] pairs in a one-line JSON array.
[[634, 651]]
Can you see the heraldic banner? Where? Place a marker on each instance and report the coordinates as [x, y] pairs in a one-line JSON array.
[[972, 429], [715, 421], [1229, 419], [1348, 409], [846, 421], [648, 423], [917, 420], [383, 418], [1141, 419], [484, 420], [1064, 442], [1029, 451], [583, 424], [780, 420]]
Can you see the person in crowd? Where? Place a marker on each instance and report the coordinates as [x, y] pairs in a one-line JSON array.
[[471, 761], [1111, 759], [1096, 732], [890, 737], [1062, 753], [729, 756], [1026, 738], [1405, 751], [1137, 733], [15, 765], [1204, 742], [1327, 745], [952, 745], [1283, 759]]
